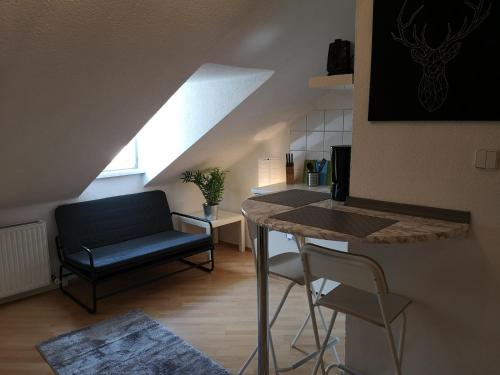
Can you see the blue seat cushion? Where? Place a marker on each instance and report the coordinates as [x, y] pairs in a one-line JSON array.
[[141, 250], [112, 220]]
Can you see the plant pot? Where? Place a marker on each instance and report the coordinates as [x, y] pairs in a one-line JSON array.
[[210, 211]]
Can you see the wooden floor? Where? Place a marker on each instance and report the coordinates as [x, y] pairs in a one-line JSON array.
[[214, 312]]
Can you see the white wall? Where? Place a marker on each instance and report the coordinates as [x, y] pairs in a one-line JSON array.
[[455, 284]]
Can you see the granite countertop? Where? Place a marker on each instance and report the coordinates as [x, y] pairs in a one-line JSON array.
[[283, 186], [405, 229]]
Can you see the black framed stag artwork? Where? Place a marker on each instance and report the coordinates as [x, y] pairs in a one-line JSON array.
[[435, 60]]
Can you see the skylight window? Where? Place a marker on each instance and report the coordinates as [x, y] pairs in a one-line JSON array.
[[126, 162]]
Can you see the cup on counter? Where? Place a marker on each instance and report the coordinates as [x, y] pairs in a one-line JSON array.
[[312, 179]]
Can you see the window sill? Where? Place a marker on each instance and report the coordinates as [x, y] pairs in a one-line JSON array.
[[120, 173]]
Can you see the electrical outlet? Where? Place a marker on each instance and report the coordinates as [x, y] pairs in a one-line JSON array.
[[491, 159], [487, 159]]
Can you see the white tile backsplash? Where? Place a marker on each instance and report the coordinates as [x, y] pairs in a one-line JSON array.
[[348, 120], [334, 121], [332, 139], [324, 129], [315, 155], [298, 140], [316, 121], [315, 141], [347, 138]]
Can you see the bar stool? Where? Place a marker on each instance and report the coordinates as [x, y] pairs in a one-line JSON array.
[[289, 267], [363, 293]]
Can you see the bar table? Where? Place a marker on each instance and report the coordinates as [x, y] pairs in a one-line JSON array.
[[307, 214]]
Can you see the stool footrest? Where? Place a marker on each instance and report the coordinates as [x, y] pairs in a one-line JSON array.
[[308, 357]]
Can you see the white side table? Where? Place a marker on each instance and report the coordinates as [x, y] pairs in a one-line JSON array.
[[223, 218]]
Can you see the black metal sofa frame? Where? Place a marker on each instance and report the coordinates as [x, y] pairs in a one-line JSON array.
[[103, 238]]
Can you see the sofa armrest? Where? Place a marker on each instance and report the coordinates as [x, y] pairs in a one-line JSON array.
[[60, 252], [196, 218], [89, 253], [59, 247]]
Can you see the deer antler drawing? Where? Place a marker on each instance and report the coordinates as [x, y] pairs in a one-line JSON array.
[[433, 87]]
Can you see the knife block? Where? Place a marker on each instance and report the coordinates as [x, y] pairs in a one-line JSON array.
[[290, 178]]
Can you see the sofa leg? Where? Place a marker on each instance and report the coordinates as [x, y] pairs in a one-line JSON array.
[[201, 265], [212, 261], [94, 298], [61, 277], [92, 309]]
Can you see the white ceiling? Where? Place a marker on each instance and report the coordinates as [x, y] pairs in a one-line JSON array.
[[78, 79]]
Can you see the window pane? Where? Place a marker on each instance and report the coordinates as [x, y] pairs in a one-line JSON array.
[[126, 159]]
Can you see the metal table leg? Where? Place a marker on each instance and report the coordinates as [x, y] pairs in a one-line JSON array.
[[262, 255]]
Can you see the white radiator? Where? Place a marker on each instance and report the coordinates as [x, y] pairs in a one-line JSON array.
[[24, 258]]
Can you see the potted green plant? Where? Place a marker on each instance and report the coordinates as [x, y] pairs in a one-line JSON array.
[[211, 184]]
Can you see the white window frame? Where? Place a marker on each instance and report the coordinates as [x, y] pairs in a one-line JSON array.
[[126, 171]]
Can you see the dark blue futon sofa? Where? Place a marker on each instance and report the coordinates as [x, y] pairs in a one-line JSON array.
[[102, 238]]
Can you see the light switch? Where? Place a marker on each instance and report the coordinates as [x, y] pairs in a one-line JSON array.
[[481, 159], [491, 160]]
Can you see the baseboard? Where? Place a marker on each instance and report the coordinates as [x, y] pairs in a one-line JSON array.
[[28, 294], [230, 244]]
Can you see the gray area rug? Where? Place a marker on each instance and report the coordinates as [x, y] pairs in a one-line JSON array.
[[127, 344]]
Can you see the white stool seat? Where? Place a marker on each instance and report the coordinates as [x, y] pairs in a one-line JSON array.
[[363, 304]]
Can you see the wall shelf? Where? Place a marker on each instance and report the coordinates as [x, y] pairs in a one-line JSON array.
[[335, 82]]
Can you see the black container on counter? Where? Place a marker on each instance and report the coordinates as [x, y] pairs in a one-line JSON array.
[[341, 172]]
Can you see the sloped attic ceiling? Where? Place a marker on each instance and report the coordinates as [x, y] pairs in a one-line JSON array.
[[80, 78]]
